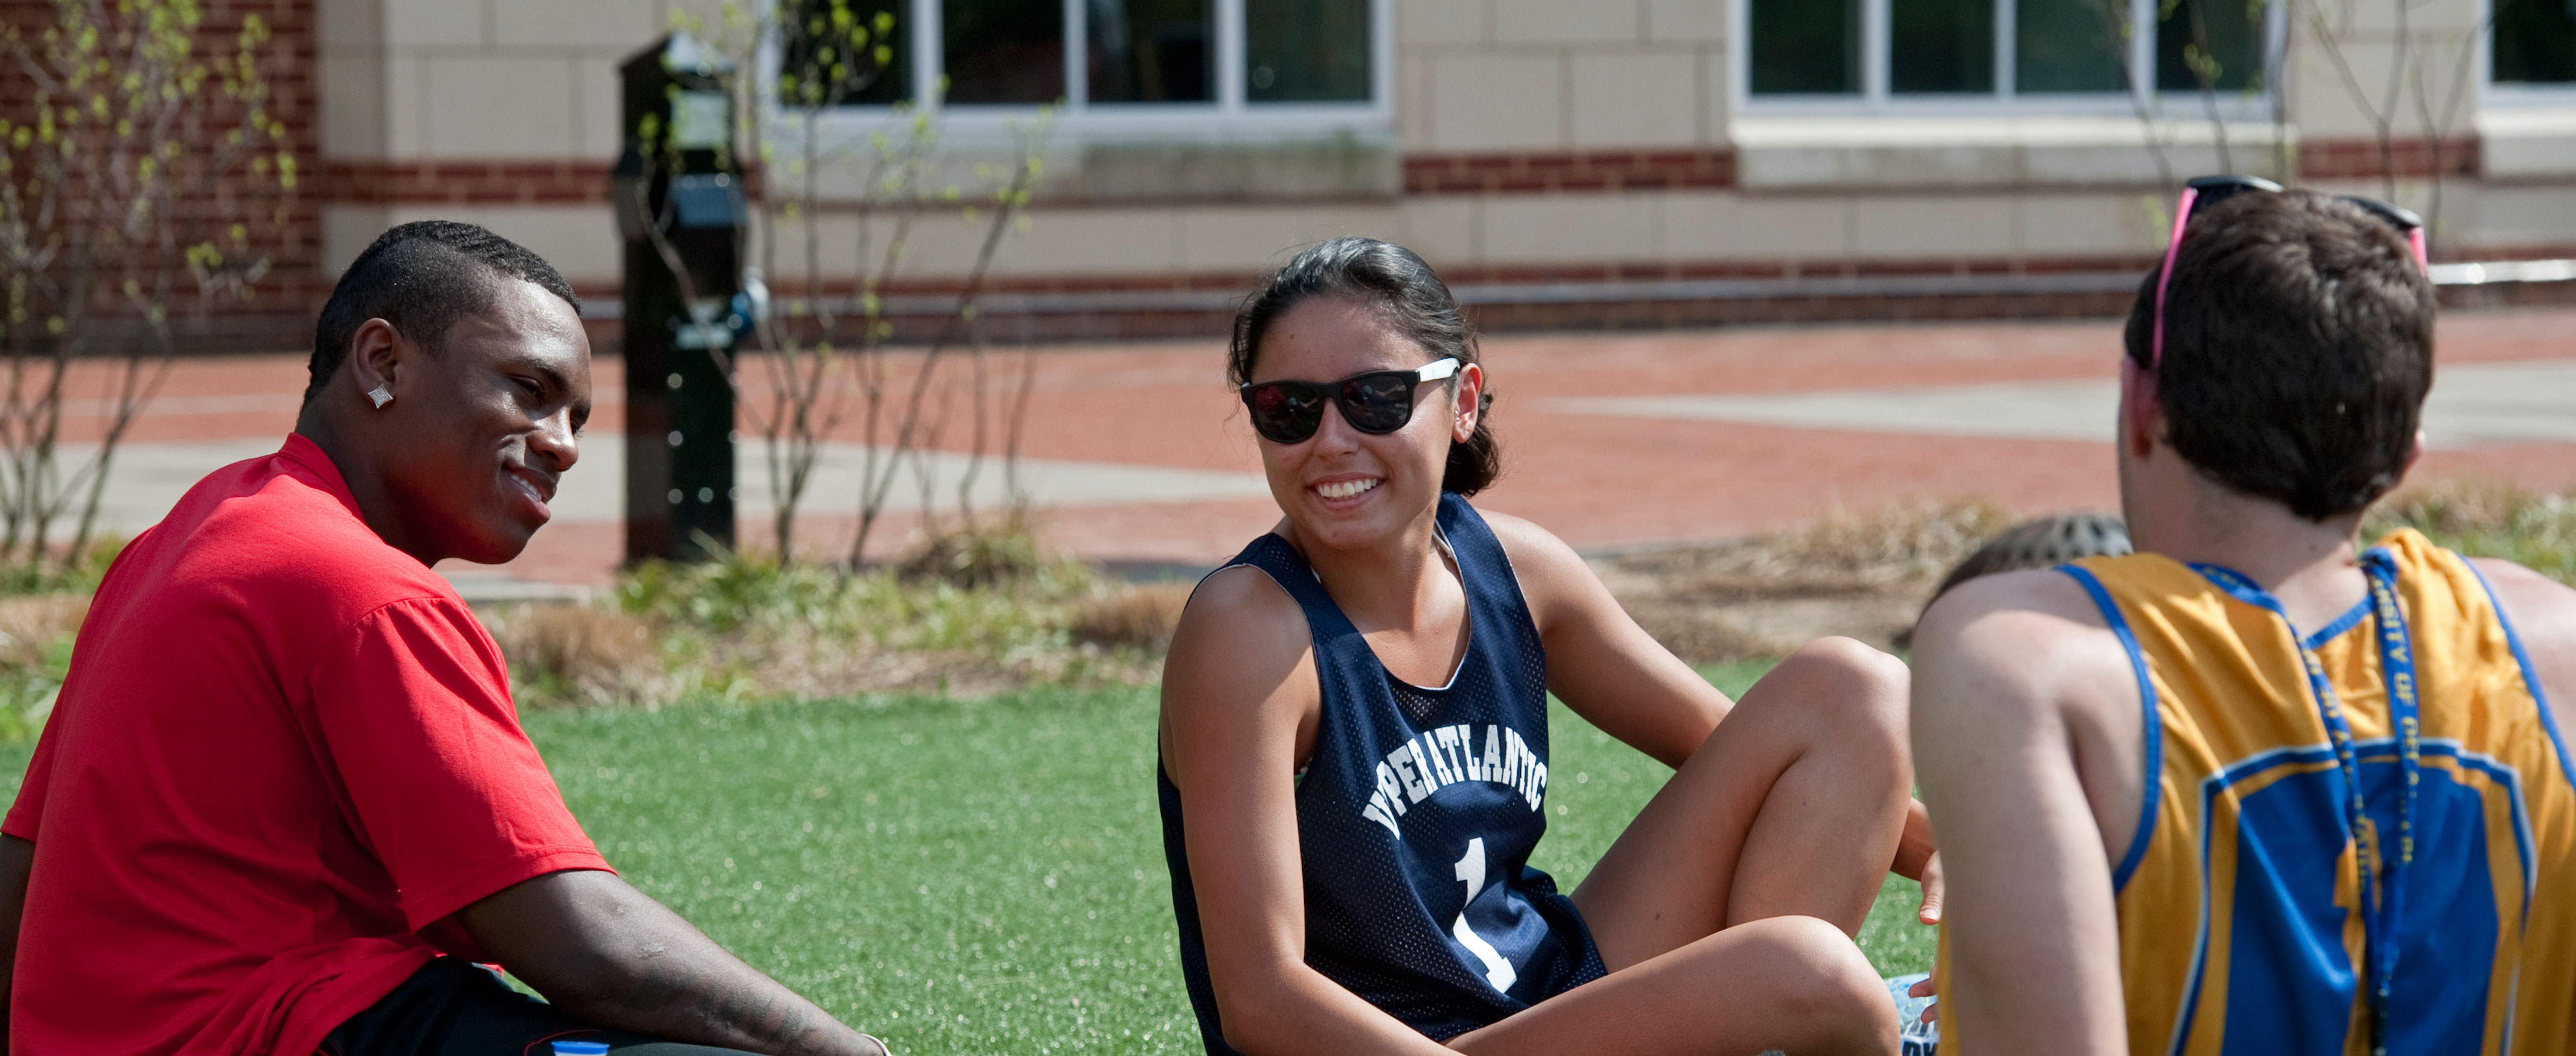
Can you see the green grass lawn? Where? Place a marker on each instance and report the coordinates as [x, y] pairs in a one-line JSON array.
[[975, 876], [970, 876]]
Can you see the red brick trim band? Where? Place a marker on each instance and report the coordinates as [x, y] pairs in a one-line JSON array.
[[2406, 158], [1539, 172], [457, 181]]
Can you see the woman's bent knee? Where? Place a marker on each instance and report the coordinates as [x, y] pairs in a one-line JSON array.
[[1846, 683], [1821, 982]]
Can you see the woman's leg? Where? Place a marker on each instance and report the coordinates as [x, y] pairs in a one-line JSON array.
[[1795, 984], [1792, 807]]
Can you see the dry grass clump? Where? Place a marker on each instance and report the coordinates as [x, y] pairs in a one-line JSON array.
[[33, 627], [1840, 553], [1858, 573], [584, 654], [2487, 519], [978, 610], [36, 632], [1141, 616]]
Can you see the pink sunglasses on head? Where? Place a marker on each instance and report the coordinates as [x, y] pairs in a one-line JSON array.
[[2205, 191]]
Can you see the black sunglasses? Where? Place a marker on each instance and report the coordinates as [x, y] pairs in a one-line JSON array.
[[1378, 402]]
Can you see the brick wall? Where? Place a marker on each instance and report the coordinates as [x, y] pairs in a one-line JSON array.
[[291, 234]]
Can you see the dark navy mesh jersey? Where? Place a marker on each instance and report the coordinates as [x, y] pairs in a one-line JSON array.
[[1417, 814]]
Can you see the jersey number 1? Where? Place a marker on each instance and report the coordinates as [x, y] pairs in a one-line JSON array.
[[1471, 871]]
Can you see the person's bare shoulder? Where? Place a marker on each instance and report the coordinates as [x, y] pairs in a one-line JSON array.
[[2030, 627], [2026, 658], [1240, 639], [1550, 572], [2542, 612]]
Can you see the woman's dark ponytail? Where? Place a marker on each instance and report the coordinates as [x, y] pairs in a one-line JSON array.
[[1407, 294]]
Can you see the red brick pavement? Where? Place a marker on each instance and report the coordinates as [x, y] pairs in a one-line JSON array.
[[1598, 481]]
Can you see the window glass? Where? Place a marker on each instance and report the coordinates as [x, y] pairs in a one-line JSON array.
[[1003, 51], [1941, 46], [2535, 41], [844, 53], [1150, 51], [1805, 47], [2070, 46], [2225, 35], [1306, 51]]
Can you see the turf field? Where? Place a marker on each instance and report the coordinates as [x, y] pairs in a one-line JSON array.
[[978, 876]]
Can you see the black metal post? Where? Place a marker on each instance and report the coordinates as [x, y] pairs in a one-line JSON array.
[[678, 178]]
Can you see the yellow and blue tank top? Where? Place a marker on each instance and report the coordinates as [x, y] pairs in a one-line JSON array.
[[2261, 908]]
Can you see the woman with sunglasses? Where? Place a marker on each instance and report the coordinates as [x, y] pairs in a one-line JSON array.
[[1354, 746]]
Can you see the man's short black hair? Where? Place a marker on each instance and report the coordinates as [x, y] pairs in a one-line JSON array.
[[2298, 349], [422, 277]]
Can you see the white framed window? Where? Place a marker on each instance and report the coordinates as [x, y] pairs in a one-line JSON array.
[[2071, 56], [2530, 53], [1120, 67]]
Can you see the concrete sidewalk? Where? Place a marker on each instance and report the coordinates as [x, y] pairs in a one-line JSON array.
[[1142, 457]]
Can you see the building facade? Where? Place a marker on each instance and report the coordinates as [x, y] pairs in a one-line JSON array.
[[1562, 162]]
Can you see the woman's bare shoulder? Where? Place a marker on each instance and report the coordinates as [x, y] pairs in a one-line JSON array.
[[1240, 633], [1551, 574]]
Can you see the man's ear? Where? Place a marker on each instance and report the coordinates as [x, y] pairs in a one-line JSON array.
[[2142, 415], [1471, 394], [2414, 454], [375, 356]]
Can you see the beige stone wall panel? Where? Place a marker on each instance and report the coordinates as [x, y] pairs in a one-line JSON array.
[[1980, 153], [2131, 224], [406, 107], [355, 103], [1567, 21], [612, 24], [2425, 19], [579, 240], [2514, 218], [1649, 99], [2528, 143], [2325, 107], [1438, 22], [1498, 101], [483, 106], [346, 230], [1554, 229], [1258, 240], [1935, 227], [1686, 21], [1731, 226], [1059, 242], [1448, 231], [596, 117], [349, 24], [437, 23]]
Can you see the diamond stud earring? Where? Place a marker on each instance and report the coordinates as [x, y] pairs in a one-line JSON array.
[[381, 395]]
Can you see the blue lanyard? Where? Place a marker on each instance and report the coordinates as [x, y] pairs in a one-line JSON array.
[[2384, 903]]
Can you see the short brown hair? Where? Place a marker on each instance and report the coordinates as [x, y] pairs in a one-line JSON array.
[[2298, 349]]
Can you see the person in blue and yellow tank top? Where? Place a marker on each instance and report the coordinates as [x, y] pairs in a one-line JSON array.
[[2259, 787], [1354, 746]]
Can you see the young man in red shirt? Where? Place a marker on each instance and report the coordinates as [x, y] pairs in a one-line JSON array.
[[283, 804]]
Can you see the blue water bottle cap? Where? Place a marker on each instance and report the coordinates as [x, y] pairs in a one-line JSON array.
[[581, 1048]]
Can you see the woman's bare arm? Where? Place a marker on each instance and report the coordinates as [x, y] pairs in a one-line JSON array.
[[1239, 703], [1599, 661]]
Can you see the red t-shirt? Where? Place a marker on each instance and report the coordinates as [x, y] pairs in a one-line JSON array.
[[283, 751]]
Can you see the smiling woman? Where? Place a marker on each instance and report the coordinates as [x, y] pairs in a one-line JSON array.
[[1355, 755]]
